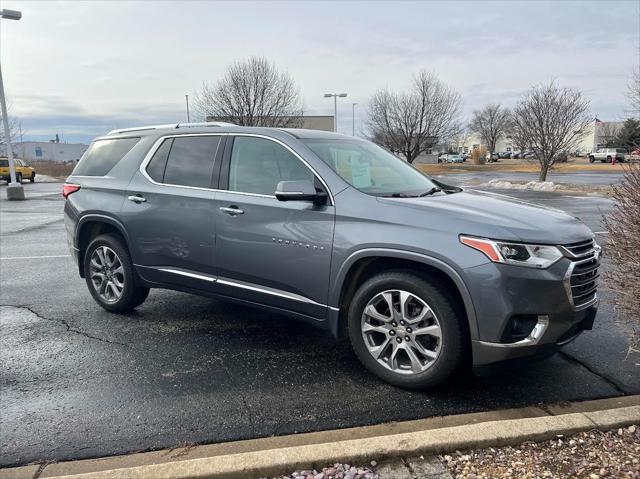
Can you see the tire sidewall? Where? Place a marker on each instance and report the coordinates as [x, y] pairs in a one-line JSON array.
[[19, 178], [452, 348], [129, 292]]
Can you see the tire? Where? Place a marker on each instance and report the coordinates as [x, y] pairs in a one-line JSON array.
[[105, 269], [608, 159], [451, 348], [33, 178], [19, 178], [591, 159]]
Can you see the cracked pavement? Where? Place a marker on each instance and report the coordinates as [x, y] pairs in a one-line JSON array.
[[78, 382]]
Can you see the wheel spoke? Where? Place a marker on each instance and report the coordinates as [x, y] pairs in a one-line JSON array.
[[368, 328], [433, 330], [416, 365], [426, 313], [405, 298], [372, 312], [101, 261], [424, 351], [378, 351]]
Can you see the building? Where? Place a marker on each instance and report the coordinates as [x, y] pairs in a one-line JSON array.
[[598, 134], [47, 151], [310, 122]]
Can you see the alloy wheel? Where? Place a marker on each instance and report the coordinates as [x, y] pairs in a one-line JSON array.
[[107, 274], [401, 332]]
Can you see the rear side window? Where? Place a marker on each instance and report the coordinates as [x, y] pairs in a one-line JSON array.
[[103, 155], [190, 161], [157, 165], [4, 163]]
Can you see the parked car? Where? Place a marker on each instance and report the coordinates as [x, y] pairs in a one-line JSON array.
[[334, 231], [492, 157], [23, 171], [465, 156], [562, 157], [454, 159], [504, 155], [607, 155]]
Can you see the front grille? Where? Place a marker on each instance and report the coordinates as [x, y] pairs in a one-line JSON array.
[[582, 280], [581, 248]]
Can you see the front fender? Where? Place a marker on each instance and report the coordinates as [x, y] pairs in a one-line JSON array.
[[338, 283]]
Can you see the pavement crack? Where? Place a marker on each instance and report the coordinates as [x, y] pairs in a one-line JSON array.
[[70, 328], [34, 227], [611, 382]]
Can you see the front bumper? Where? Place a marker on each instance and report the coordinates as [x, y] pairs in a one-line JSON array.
[[536, 304]]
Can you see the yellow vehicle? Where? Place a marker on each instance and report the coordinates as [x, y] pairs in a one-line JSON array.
[[23, 171]]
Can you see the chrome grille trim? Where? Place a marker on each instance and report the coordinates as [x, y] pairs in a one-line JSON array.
[[581, 279]]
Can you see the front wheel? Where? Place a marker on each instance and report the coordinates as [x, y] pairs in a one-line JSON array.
[[405, 329], [110, 276], [33, 178], [19, 178], [591, 159]]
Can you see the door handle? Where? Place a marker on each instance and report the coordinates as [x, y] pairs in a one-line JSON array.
[[231, 211], [137, 198]]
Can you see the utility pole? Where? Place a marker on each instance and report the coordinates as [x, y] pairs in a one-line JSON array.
[[188, 119], [335, 107], [353, 119], [15, 191]]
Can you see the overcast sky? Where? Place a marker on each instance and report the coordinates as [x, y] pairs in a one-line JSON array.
[[82, 68]]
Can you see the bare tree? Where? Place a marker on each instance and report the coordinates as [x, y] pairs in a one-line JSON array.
[[623, 224], [411, 122], [491, 123], [550, 121], [252, 93], [634, 91], [606, 133]]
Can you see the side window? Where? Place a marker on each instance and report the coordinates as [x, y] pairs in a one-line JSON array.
[[157, 165], [103, 155], [190, 161], [257, 166]]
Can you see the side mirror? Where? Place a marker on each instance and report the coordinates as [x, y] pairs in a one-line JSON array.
[[300, 190]]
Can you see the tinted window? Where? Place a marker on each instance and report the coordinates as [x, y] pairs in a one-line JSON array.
[[4, 163], [258, 165], [190, 161], [103, 155], [155, 168]]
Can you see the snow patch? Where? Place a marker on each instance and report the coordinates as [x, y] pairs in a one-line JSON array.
[[532, 185]]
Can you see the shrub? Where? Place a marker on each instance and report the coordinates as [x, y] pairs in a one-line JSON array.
[[478, 155], [623, 224]]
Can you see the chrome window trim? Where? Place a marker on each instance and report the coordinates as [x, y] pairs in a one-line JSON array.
[[211, 279], [158, 142]]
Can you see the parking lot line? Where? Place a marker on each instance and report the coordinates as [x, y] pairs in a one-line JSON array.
[[37, 257]]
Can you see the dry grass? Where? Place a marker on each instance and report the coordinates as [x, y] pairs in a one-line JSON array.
[[515, 166], [52, 168]]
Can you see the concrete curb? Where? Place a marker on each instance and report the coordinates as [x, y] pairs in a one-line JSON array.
[[272, 462]]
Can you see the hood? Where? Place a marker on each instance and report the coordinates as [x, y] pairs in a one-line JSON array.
[[495, 216]]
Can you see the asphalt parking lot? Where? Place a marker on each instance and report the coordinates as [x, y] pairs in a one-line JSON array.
[[78, 382]]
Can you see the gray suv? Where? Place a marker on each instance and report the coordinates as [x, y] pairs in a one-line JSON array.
[[423, 278]]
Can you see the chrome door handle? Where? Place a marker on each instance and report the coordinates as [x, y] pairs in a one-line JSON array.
[[137, 198], [231, 211]]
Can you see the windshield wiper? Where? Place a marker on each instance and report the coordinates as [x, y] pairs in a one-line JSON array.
[[430, 192], [400, 195]]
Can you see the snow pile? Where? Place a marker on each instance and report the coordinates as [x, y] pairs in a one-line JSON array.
[[532, 185]]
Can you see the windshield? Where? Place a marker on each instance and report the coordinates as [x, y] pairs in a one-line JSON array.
[[369, 168]]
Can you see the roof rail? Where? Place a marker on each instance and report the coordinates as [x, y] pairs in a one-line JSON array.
[[171, 125]]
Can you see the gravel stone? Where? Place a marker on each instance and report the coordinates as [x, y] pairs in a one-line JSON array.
[[588, 455]]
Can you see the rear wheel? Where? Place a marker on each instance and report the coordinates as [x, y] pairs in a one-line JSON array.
[[110, 276], [406, 330], [19, 178], [608, 159], [591, 159], [33, 177]]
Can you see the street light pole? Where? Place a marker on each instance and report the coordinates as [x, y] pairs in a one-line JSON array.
[[335, 107], [188, 119], [15, 191], [353, 119]]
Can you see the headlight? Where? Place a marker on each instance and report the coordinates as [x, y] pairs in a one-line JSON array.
[[530, 255]]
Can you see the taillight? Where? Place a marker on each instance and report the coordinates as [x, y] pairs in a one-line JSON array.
[[69, 188]]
